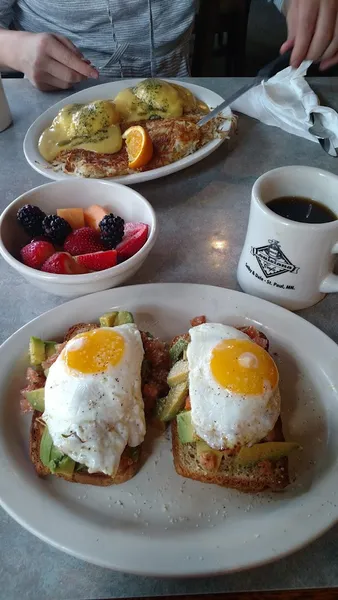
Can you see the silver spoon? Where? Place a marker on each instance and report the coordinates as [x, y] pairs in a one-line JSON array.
[[322, 134]]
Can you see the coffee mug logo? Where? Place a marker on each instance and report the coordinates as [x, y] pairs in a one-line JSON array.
[[272, 260]]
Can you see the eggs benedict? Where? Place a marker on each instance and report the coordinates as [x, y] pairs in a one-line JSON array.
[[92, 127], [155, 98]]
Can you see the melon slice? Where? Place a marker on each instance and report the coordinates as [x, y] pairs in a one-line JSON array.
[[93, 216], [73, 216]]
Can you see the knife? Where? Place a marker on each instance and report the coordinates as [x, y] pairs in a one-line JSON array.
[[264, 74]]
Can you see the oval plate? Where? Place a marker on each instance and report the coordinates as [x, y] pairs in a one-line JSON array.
[[110, 90], [159, 523]]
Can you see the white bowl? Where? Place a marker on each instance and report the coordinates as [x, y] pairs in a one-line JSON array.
[[74, 193]]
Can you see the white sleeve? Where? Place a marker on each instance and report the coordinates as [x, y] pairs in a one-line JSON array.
[[6, 12]]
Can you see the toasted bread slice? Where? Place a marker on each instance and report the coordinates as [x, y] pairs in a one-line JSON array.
[[157, 354], [127, 469], [77, 329], [256, 478]]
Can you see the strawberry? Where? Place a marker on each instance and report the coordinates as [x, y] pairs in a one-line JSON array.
[[62, 263], [135, 236], [36, 253], [98, 261], [83, 241]]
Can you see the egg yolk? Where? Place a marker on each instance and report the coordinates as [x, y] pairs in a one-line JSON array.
[[94, 351], [243, 367]]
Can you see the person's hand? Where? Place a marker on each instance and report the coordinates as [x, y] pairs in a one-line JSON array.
[[51, 61], [312, 32]]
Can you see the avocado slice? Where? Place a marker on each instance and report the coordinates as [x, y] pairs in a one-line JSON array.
[[133, 453], [80, 468], [55, 459], [177, 349], [65, 465], [124, 317], [178, 373], [265, 451], [185, 428], [36, 399], [108, 319], [209, 459], [46, 445], [52, 458], [37, 351], [50, 349], [174, 402]]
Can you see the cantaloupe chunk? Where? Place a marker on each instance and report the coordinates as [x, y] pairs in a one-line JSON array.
[[74, 216], [93, 215]]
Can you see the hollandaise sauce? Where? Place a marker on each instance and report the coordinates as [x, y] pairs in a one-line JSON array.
[[92, 126], [154, 98]]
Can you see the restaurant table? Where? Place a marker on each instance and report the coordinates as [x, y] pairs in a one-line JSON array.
[[195, 208]]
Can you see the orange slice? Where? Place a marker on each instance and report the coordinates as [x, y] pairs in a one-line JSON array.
[[139, 146]]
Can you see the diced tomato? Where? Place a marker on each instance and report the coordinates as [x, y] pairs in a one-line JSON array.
[[187, 404], [51, 360], [266, 467], [150, 394], [257, 336], [25, 407], [135, 236], [198, 321], [35, 381]]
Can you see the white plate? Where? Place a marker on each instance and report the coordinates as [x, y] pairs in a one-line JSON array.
[[159, 523], [110, 90]]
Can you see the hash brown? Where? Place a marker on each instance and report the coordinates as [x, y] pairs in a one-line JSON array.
[[173, 139]]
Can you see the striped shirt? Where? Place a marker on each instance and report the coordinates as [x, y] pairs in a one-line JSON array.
[[122, 38]]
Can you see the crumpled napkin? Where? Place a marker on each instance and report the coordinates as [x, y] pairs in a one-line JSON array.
[[287, 101]]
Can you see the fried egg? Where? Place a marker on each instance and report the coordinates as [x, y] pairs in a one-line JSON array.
[[93, 399], [233, 387]]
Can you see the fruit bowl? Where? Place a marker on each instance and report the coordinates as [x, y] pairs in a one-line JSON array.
[[119, 199]]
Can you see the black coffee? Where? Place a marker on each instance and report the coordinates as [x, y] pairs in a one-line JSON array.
[[302, 210]]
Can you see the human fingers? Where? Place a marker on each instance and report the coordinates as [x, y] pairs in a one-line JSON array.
[[333, 47], [305, 27], [69, 44], [330, 62], [45, 82], [64, 73], [49, 46], [288, 45], [324, 32], [292, 20]]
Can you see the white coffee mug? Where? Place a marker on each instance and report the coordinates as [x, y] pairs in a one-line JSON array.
[[284, 261], [5, 114]]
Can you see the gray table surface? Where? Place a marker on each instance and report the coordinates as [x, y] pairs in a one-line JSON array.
[[208, 200]]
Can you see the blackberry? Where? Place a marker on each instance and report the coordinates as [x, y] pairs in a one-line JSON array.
[[112, 230], [56, 228], [30, 218]]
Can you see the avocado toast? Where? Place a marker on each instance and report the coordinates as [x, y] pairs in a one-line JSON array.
[[251, 467], [45, 456]]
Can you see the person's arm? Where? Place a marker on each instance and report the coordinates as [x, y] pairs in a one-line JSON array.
[[50, 61], [312, 31]]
